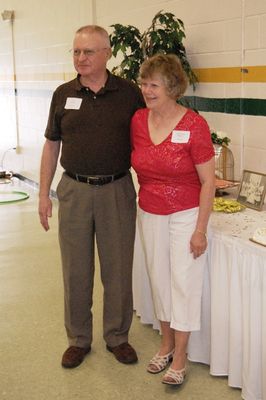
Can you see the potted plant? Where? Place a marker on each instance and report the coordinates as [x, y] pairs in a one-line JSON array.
[[165, 35], [224, 159], [219, 139], [220, 143]]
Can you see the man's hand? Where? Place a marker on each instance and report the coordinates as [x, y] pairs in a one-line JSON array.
[[45, 211], [48, 166]]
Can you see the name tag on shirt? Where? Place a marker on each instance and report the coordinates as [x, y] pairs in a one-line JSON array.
[[180, 136], [73, 103]]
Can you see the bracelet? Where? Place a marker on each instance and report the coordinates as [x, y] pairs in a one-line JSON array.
[[203, 233]]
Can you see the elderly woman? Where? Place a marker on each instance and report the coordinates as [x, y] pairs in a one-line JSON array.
[[173, 157]]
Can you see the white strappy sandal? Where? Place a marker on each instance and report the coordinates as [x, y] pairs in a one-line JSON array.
[[159, 363], [174, 376]]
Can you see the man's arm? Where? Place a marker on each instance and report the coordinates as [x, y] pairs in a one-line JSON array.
[[49, 160]]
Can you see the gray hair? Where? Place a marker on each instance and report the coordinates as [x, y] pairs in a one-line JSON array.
[[96, 29]]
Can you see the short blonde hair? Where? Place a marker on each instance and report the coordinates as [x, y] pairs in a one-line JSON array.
[[169, 68], [96, 29]]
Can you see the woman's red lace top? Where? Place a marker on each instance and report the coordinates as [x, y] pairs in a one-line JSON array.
[[166, 172]]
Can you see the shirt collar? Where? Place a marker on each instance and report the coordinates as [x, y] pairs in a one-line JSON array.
[[110, 84]]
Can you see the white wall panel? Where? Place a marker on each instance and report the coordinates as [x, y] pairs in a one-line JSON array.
[[262, 32], [254, 90], [255, 57], [215, 59], [251, 33], [255, 7]]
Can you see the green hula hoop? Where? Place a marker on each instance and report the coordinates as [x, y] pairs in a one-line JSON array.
[[21, 196]]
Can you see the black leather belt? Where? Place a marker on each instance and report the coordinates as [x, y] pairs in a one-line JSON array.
[[96, 180]]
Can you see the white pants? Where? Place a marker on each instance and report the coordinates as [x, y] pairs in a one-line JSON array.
[[176, 277]]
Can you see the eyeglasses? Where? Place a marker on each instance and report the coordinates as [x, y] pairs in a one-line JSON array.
[[86, 52]]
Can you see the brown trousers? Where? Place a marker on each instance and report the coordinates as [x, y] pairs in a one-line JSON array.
[[108, 213]]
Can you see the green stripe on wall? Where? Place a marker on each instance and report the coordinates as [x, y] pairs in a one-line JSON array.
[[229, 105]]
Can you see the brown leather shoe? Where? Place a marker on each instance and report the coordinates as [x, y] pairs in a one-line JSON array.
[[73, 356], [124, 353]]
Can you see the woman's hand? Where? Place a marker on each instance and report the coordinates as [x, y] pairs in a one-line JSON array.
[[198, 243]]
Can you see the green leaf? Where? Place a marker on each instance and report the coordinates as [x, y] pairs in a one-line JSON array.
[[165, 34]]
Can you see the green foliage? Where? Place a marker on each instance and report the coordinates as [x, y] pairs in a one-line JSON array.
[[165, 35], [127, 40], [218, 139]]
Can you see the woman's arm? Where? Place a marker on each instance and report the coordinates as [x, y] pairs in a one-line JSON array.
[[206, 172]]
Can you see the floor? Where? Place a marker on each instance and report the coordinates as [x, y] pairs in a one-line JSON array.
[[32, 336]]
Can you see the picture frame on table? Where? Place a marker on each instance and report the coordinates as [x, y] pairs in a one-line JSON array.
[[252, 189]]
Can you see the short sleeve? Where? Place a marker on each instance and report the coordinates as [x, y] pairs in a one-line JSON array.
[[202, 149], [53, 129]]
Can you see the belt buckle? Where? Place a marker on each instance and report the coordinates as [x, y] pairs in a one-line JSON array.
[[99, 180], [92, 180]]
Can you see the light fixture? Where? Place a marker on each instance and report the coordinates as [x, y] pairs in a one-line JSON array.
[[8, 15]]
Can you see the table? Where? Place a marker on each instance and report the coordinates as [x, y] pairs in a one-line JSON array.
[[232, 339]]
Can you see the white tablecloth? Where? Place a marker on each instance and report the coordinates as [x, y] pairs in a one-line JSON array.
[[232, 339]]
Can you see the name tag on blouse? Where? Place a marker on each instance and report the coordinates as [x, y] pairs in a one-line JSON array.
[[180, 136], [73, 103]]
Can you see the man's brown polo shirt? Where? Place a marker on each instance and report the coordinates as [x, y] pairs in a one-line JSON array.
[[94, 128]]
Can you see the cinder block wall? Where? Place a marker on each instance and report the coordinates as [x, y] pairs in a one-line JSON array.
[[225, 42]]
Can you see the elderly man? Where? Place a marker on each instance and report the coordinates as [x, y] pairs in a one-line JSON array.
[[90, 116]]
